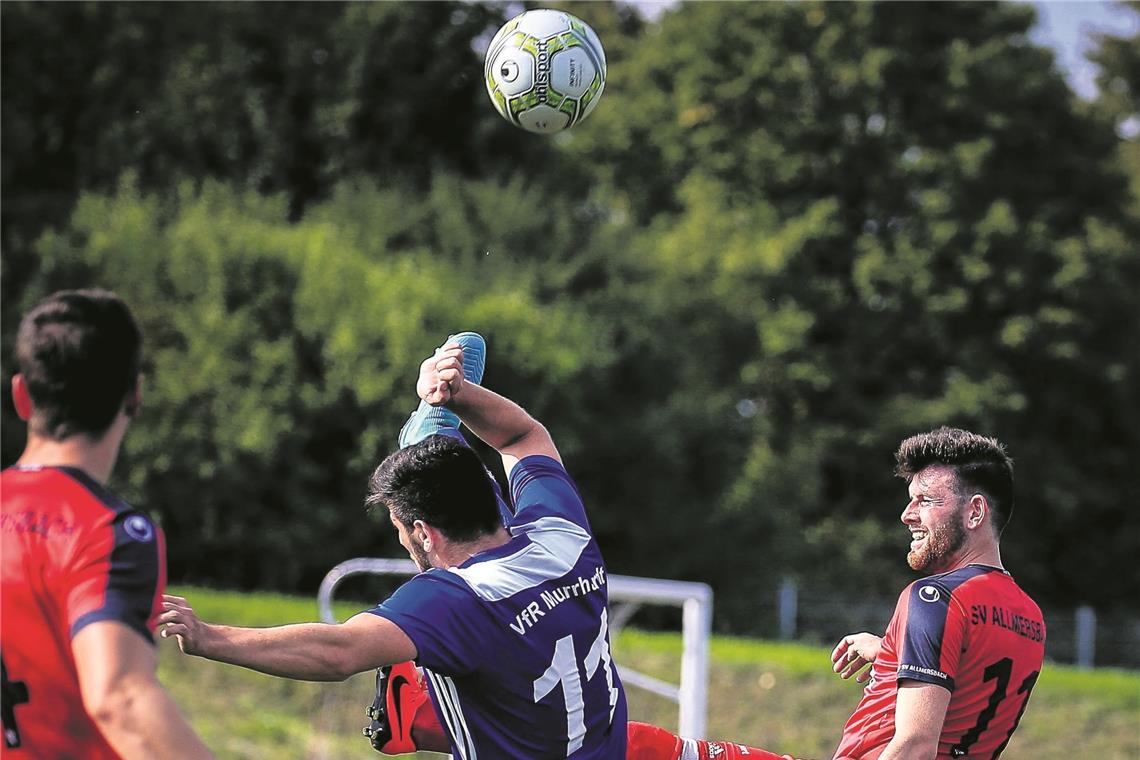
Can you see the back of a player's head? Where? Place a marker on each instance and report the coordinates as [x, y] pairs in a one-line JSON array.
[[79, 352], [440, 481], [981, 464]]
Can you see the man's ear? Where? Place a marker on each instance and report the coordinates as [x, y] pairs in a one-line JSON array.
[[426, 536], [978, 510], [21, 398]]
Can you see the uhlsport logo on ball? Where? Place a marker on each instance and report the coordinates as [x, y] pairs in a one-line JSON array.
[[545, 70]]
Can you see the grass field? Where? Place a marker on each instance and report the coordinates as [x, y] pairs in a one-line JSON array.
[[776, 695]]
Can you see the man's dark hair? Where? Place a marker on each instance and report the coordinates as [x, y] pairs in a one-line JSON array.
[[440, 481], [981, 464], [80, 353]]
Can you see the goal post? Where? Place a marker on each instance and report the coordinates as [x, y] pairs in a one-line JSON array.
[[694, 599]]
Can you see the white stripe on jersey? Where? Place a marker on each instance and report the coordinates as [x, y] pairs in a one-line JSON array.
[[556, 544], [453, 715], [599, 656]]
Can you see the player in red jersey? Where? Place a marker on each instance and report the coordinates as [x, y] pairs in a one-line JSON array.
[[83, 572], [953, 674]]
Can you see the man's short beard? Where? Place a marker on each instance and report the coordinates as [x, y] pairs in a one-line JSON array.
[[420, 557], [941, 544]]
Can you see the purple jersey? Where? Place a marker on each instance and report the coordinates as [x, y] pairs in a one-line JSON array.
[[515, 641]]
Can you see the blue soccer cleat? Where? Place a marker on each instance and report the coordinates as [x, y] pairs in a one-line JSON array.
[[437, 420]]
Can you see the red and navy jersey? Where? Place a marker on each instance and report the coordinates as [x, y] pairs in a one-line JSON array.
[[971, 631], [73, 554]]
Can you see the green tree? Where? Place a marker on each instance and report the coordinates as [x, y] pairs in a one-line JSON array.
[[192, 91], [187, 92], [282, 355], [919, 226], [1118, 83], [790, 235]]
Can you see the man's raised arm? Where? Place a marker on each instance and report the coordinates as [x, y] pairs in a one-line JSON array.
[[500, 422]]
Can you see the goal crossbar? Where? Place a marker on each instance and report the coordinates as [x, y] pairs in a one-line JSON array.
[[694, 599]]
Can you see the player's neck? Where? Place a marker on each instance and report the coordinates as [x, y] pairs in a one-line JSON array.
[[96, 457], [457, 553], [986, 553]]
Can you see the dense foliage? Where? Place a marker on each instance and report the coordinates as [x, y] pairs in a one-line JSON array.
[[790, 235]]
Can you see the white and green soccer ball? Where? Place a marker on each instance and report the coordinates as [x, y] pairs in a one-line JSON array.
[[545, 70]]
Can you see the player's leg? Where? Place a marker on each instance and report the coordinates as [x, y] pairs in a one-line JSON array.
[[646, 742], [437, 420], [401, 717], [427, 731], [402, 693]]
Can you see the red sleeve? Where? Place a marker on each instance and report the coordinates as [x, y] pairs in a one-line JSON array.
[[118, 574]]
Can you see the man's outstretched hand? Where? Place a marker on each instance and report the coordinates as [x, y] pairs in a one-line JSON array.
[[854, 653], [178, 619]]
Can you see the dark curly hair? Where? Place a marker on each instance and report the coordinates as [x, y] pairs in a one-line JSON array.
[[440, 481], [981, 464]]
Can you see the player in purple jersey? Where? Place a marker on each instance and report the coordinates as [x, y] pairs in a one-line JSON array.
[[509, 623]]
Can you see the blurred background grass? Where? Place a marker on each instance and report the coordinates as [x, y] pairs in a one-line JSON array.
[[780, 696]]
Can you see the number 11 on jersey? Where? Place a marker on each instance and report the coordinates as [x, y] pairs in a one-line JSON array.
[[564, 670]]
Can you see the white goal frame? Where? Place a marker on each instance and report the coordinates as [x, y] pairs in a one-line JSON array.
[[694, 599]]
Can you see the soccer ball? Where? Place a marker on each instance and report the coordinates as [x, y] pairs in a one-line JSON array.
[[545, 70]]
